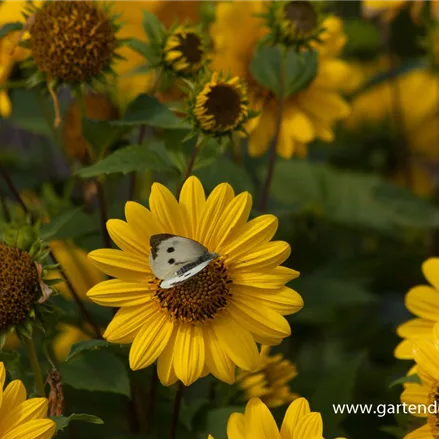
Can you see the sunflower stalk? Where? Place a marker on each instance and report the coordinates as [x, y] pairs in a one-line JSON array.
[[272, 157], [35, 365], [201, 141], [176, 411]]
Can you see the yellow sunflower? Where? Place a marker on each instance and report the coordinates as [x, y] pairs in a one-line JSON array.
[[21, 418], [425, 395], [422, 301], [270, 381], [10, 11], [258, 423], [211, 322], [308, 115]]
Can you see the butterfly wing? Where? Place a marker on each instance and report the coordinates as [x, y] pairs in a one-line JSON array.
[[180, 278], [169, 253]]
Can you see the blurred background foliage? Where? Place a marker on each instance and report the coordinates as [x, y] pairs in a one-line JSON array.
[[361, 215]]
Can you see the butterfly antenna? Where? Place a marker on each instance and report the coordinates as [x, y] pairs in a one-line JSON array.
[[27, 25]]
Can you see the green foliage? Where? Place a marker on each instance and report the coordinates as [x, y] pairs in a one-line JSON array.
[[51, 229], [63, 421], [129, 159], [86, 371], [10, 27]]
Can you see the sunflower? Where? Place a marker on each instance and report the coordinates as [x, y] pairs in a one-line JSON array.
[[211, 322], [21, 418], [9, 12], [309, 114], [425, 395], [270, 381], [257, 422], [422, 301]]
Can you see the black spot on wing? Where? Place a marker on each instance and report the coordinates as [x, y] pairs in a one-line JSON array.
[[171, 261], [155, 241], [170, 249]]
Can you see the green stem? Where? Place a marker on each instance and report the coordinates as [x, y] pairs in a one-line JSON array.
[[83, 112], [35, 365], [201, 141]]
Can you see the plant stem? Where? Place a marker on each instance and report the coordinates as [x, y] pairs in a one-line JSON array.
[[176, 412], [35, 365], [103, 213], [201, 141], [152, 397], [273, 150], [6, 213]]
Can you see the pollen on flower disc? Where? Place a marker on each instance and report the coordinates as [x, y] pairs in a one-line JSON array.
[[72, 41], [200, 298], [19, 281]]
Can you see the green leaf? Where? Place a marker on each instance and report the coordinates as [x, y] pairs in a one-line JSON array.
[[101, 133], [153, 27], [300, 69], [12, 361], [349, 198], [99, 371], [146, 110], [265, 67], [129, 159], [413, 379], [50, 230], [63, 421], [90, 345], [10, 27]]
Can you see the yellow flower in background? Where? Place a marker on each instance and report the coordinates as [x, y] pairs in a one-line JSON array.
[[257, 422], [211, 322], [21, 418], [422, 301], [308, 115], [10, 12], [389, 9], [270, 381], [426, 354]]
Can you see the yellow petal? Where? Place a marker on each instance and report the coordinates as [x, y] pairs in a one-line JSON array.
[[275, 278], [250, 236], [189, 355], [234, 216], [117, 263], [34, 429], [422, 301], [142, 221], [126, 323], [423, 432], [115, 292], [285, 301], [309, 426], [430, 268], [426, 355], [5, 104], [258, 320], [259, 422], [267, 256], [415, 394], [415, 328], [151, 339], [165, 363], [236, 342], [296, 411], [236, 426], [260, 138], [14, 395], [218, 362], [170, 215], [193, 198], [126, 239], [404, 350], [215, 205]]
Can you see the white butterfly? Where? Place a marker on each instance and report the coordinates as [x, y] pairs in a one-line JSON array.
[[175, 259]]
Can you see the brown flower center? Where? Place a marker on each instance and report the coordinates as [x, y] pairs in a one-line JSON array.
[[191, 47], [301, 15], [433, 418], [19, 283], [200, 298], [224, 104]]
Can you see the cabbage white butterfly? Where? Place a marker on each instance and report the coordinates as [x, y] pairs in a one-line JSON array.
[[175, 259]]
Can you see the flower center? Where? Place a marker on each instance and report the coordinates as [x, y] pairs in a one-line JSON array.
[[301, 16], [191, 47], [19, 282], [199, 298], [433, 418], [72, 41]]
